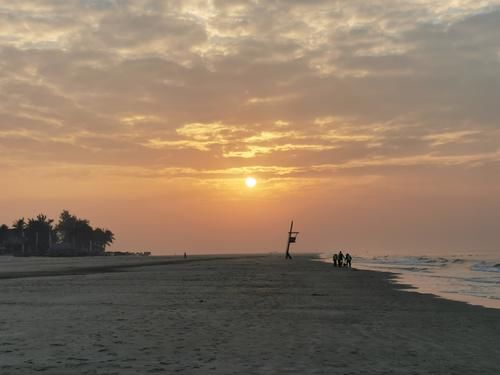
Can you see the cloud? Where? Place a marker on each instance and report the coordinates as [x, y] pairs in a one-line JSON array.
[[228, 84]]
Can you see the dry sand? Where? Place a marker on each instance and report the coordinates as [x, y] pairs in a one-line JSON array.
[[244, 315]]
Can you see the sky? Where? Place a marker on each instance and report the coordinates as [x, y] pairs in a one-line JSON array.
[[375, 125]]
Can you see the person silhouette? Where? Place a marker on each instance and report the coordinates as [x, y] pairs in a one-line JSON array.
[[348, 259], [340, 259], [335, 260]]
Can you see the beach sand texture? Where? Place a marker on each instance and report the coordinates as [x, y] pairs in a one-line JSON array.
[[245, 315]]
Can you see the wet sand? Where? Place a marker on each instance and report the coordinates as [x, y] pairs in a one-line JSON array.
[[237, 315]]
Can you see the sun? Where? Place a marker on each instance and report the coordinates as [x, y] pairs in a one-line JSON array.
[[250, 182]]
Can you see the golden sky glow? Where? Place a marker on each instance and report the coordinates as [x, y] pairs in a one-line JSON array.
[[374, 124]]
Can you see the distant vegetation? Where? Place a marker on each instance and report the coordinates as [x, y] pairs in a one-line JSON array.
[[71, 236]]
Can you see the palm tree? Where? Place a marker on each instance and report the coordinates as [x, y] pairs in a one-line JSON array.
[[84, 233], [4, 232], [4, 229], [66, 228], [109, 237], [101, 239], [39, 232], [19, 226]]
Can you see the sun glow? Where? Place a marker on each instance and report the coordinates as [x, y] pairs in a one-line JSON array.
[[250, 182]]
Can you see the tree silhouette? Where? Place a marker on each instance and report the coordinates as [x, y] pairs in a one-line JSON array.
[[101, 239], [84, 239], [39, 235], [19, 224], [69, 237], [66, 228], [18, 245], [4, 232]]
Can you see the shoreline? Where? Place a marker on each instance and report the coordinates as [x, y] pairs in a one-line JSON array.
[[437, 281], [251, 315]]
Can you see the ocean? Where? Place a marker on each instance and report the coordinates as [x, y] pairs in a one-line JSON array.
[[469, 278]]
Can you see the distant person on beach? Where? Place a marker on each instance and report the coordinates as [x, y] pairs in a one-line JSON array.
[[335, 260], [348, 259], [185, 256], [340, 258]]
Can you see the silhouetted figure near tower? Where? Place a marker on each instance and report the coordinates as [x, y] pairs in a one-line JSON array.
[[335, 260], [292, 237]]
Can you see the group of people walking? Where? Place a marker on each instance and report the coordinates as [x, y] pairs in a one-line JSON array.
[[341, 260]]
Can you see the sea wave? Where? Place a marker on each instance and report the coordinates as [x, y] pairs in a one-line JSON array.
[[392, 260], [411, 261], [483, 280], [486, 267]]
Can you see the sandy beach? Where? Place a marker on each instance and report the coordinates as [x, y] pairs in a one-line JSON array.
[[231, 315]]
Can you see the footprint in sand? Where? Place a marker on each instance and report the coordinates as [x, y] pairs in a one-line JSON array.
[[156, 370]]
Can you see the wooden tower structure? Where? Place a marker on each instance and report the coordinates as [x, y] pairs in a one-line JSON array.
[[292, 238]]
